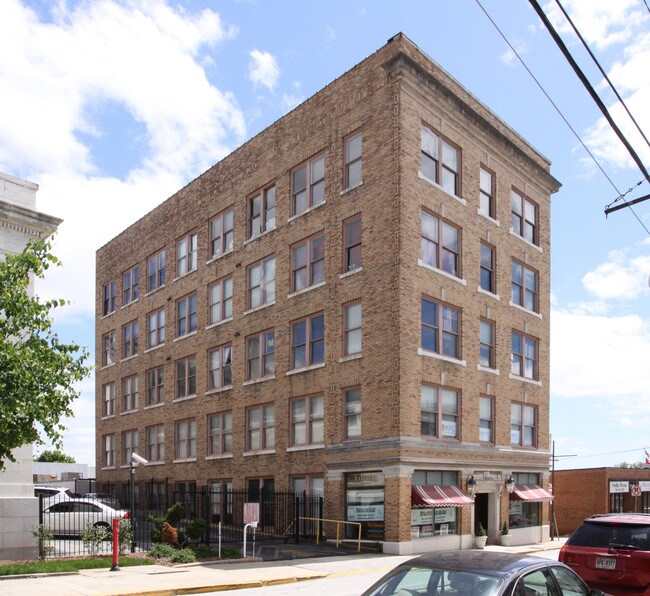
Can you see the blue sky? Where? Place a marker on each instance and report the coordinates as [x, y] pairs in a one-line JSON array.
[[113, 105]]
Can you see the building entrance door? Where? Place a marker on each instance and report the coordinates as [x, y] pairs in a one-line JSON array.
[[481, 511]]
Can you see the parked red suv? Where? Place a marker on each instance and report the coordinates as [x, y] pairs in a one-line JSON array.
[[611, 552]]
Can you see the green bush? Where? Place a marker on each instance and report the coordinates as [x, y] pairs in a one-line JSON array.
[[195, 530], [93, 536], [43, 537], [162, 551], [184, 555], [172, 516], [126, 536]]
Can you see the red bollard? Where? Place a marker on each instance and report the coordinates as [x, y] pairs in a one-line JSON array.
[[116, 544]]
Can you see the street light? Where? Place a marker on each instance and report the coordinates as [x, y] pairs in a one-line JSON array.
[[510, 484], [136, 460], [471, 485]]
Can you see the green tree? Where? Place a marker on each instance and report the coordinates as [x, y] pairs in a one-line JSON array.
[[55, 456], [37, 371]]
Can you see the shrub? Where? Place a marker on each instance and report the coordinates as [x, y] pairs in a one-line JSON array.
[[168, 534], [184, 555], [195, 530], [43, 537], [162, 551], [126, 536], [92, 537], [481, 530], [172, 516], [505, 530]]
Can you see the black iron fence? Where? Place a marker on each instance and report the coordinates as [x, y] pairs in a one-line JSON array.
[[279, 515]]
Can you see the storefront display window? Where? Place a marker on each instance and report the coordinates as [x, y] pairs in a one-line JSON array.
[[434, 520], [364, 496]]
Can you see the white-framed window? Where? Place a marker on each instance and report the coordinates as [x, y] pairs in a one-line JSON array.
[[156, 443], [525, 286], [308, 341], [260, 355], [129, 445], [186, 317], [220, 300], [440, 328], [131, 285], [487, 339], [486, 419], [187, 254], [186, 377], [108, 457], [523, 425], [488, 268], [308, 262], [524, 355], [440, 244], [353, 160], [352, 245], [108, 406], [487, 192], [309, 484], [261, 282], [156, 328], [307, 420], [220, 367], [108, 348], [130, 393], [221, 233], [261, 212], [155, 385], [440, 412], [130, 339], [352, 413], [352, 328], [308, 185], [156, 271], [260, 428], [185, 438], [524, 217], [220, 433], [110, 298], [440, 161]]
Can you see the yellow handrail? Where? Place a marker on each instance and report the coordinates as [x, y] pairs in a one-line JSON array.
[[338, 523]]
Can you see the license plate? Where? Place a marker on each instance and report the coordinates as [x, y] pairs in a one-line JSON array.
[[605, 563]]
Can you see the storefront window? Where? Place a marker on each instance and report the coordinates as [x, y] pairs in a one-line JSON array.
[[434, 521], [364, 496], [523, 514]]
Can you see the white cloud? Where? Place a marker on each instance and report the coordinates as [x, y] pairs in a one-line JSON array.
[[619, 277], [263, 69]]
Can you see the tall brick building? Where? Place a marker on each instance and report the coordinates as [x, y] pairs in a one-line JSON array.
[[354, 303]]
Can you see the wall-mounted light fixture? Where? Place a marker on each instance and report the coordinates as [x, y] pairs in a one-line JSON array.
[[510, 484], [471, 485]]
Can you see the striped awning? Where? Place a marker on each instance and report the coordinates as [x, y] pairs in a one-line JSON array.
[[530, 493], [444, 495]]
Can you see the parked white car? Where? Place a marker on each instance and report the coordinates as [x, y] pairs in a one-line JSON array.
[[53, 494], [71, 517]]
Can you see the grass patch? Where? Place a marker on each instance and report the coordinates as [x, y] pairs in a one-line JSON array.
[[69, 565]]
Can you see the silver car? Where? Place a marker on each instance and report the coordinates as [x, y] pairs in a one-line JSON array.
[[72, 517]]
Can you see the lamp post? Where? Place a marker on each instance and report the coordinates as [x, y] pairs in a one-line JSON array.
[[136, 460]]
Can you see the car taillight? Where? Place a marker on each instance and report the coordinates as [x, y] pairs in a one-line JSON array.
[[562, 556]]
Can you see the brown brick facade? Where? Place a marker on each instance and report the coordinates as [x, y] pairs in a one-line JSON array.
[[387, 98]]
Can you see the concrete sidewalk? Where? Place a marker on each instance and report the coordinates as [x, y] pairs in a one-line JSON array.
[[156, 580]]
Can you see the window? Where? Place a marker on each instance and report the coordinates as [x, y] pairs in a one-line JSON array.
[[108, 348], [352, 243], [525, 286], [130, 393], [261, 282], [108, 408], [186, 315], [108, 457], [440, 328], [260, 355], [352, 328], [156, 328], [187, 254], [131, 285], [524, 356], [129, 445], [523, 425], [220, 300], [440, 161], [307, 420], [155, 386], [487, 193], [220, 433], [439, 413], [487, 334], [440, 244], [308, 263], [312, 485], [186, 377], [221, 233], [352, 413], [308, 185], [156, 443], [130, 339], [186, 438], [109, 298], [353, 160], [524, 217], [156, 271], [260, 428], [488, 268], [486, 423], [308, 341], [261, 212], [220, 367]]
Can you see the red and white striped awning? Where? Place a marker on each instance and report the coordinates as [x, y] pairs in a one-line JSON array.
[[530, 493], [446, 495]]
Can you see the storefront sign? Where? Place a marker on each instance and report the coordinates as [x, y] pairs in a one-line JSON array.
[[361, 513], [644, 485], [619, 486], [421, 516], [444, 514], [365, 479]]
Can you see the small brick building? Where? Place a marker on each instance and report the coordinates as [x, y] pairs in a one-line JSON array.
[[584, 492], [355, 303]]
